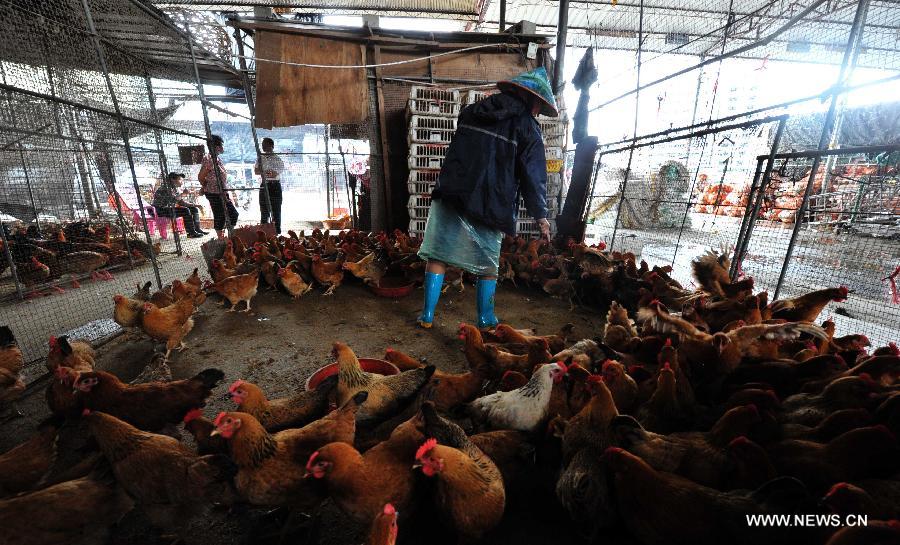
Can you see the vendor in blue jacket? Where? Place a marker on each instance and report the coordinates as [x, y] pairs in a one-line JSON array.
[[496, 155]]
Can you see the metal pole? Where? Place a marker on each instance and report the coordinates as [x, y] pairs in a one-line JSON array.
[[212, 152], [839, 120], [163, 164], [502, 24], [251, 106], [124, 132], [12, 262], [562, 30], [853, 42], [745, 220], [327, 174], [741, 251]]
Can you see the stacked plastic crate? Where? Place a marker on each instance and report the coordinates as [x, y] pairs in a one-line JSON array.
[[433, 114], [432, 122]]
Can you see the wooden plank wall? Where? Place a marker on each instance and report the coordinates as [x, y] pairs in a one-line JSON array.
[[292, 95]]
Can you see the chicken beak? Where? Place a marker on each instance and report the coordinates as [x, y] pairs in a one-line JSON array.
[[307, 474], [215, 432], [417, 465]]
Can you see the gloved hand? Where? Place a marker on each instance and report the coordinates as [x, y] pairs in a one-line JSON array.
[[545, 229]]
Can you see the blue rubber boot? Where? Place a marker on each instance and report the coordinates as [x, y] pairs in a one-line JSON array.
[[433, 284], [484, 292]]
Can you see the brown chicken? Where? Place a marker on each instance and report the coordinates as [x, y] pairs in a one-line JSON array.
[[127, 312], [293, 282], [384, 528], [220, 272], [237, 288], [22, 466], [33, 272], [168, 481], [805, 308], [589, 426], [82, 262], [711, 272], [469, 494], [271, 468], [11, 365], [360, 484], [147, 406], [369, 269], [386, 393], [170, 324], [229, 258], [402, 361], [201, 429], [288, 412], [78, 511], [655, 504], [624, 389], [555, 343], [328, 274], [863, 452], [78, 355], [183, 290]]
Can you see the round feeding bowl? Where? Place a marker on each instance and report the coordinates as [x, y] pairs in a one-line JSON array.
[[393, 287], [370, 365]]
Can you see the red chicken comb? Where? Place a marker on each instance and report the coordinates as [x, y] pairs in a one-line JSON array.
[[594, 379], [389, 510], [192, 414], [668, 342], [219, 418], [389, 350], [52, 341], [118, 297], [312, 458], [235, 385], [837, 488], [606, 365], [667, 366], [894, 349], [426, 448], [740, 440], [85, 411]]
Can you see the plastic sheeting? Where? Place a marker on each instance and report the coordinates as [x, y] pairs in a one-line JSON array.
[[456, 241]]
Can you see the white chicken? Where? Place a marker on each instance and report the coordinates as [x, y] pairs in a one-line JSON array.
[[521, 409]]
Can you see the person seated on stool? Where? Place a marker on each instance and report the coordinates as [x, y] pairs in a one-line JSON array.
[[496, 155], [168, 205]]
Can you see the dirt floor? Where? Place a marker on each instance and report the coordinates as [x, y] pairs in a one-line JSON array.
[[282, 342]]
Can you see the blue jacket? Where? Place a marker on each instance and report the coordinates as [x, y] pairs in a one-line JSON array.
[[496, 154]]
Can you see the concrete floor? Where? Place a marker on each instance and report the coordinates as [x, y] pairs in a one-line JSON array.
[[283, 341]]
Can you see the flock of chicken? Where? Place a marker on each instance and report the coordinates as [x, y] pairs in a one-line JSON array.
[[666, 428], [73, 250]]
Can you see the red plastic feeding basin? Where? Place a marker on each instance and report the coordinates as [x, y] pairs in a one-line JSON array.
[[393, 287], [370, 365]]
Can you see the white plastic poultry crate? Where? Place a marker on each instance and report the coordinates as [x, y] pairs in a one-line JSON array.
[[431, 129], [417, 227], [421, 182], [427, 156], [418, 206], [530, 227], [554, 133], [432, 101], [554, 184], [474, 96]]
